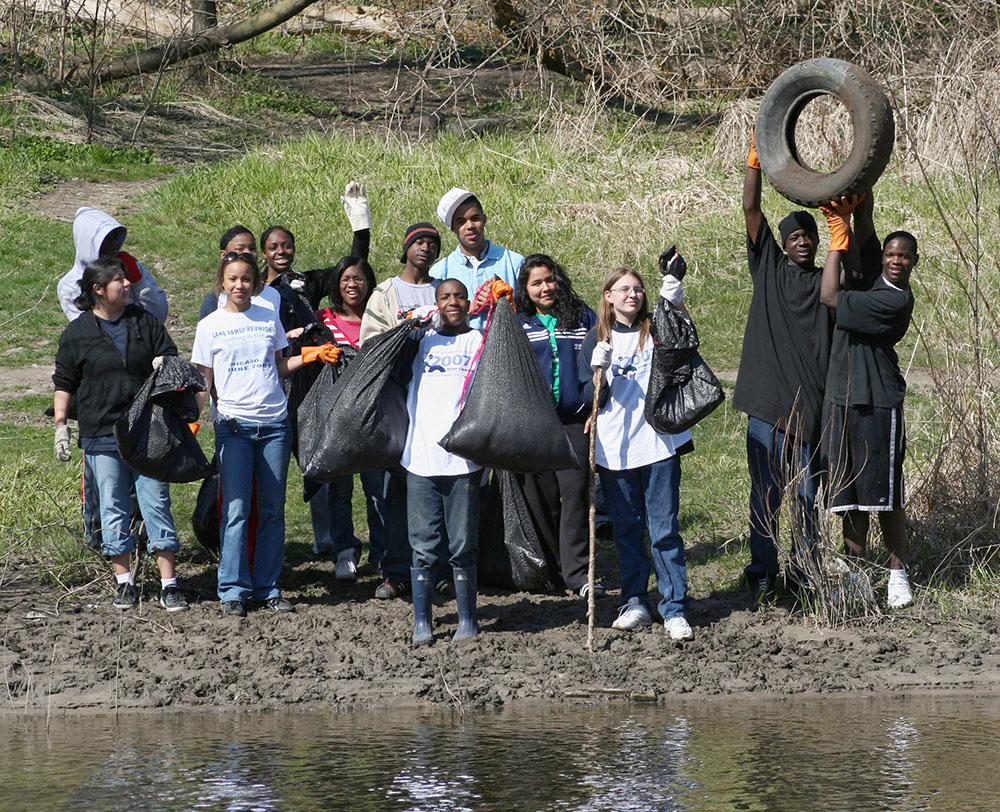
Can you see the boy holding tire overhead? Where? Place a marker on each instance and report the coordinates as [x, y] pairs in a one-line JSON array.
[[781, 379]]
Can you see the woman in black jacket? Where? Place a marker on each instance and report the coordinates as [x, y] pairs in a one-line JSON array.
[[104, 357]]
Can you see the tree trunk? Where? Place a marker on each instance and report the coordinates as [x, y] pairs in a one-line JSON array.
[[203, 15], [180, 48]]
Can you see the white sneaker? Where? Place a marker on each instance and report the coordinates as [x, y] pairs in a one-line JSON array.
[[632, 614], [346, 569], [678, 628], [899, 594]]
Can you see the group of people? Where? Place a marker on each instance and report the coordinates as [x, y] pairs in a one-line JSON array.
[[818, 380]]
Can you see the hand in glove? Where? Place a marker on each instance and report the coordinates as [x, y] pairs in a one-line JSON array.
[[327, 353], [752, 160], [672, 291], [355, 202], [600, 359], [62, 445], [499, 289], [194, 427], [671, 262], [157, 363], [431, 313], [838, 218]]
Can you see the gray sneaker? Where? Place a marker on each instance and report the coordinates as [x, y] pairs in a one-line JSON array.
[[172, 600], [126, 597]]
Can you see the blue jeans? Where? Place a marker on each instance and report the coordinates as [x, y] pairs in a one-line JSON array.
[[247, 449], [333, 516], [649, 496], [390, 549], [443, 507], [775, 461], [113, 479]]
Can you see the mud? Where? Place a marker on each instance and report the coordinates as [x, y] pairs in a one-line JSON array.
[[343, 648]]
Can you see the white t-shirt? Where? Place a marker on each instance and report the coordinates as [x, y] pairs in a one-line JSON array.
[[624, 439], [239, 348], [433, 402], [413, 296], [268, 298]]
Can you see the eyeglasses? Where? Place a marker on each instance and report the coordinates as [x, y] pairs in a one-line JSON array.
[[625, 290], [232, 256]]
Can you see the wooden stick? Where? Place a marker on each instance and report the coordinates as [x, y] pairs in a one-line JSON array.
[[591, 568]]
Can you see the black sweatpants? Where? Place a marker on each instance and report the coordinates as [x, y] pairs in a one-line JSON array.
[[559, 504]]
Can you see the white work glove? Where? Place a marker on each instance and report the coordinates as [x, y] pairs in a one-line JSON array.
[[157, 363], [431, 313], [62, 444], [355, 202], [672, 291], [600, 359]]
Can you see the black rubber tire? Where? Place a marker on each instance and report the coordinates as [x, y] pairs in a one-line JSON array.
[[871, 116]]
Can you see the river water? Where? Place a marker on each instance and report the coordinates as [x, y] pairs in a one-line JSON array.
[[806, 755]]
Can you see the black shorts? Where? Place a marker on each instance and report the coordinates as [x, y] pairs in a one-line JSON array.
[[863, 451]]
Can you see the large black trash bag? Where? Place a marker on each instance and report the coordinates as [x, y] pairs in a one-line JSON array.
[[357, 421], [682, 389], [153, 435], [510, 553], [310, 421], [205, 519], [509, 419]]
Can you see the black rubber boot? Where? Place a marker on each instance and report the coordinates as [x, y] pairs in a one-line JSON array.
[[423, 587], [465, 597]]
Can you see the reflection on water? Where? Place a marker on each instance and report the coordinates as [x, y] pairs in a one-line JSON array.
[[814, 755]]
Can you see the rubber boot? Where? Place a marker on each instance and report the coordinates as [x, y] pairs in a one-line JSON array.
[[465, 597], [420, 580]]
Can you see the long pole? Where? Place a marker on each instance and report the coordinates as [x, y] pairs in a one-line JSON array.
[[591, 569]]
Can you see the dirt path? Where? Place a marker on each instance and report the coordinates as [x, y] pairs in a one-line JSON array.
[[343, 648]]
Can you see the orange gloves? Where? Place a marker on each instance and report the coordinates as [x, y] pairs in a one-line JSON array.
[[327, 353], [838, 218], [194, 427], [501, 288], [752, 161]]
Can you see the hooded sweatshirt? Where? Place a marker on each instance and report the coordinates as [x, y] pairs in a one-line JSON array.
[[90, 228]]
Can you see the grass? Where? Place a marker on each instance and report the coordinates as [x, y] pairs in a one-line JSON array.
[[596, 196]]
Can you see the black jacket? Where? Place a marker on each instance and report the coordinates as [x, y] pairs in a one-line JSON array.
[[89, 364]]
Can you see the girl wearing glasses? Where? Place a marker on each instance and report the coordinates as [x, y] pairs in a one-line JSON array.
[[640, 469], [556, 322], [238, 349]]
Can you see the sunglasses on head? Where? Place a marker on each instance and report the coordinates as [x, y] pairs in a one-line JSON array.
[[232, 256]]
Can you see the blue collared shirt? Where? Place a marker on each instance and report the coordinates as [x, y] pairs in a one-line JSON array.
[[495, 261]]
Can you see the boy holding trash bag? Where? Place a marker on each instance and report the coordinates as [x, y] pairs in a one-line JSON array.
[[442, 489]]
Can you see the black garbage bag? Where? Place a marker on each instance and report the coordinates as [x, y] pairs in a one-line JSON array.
[[510, 553], [357, 421], [205, 519], [682, 389], [509, 419], [153, 436]]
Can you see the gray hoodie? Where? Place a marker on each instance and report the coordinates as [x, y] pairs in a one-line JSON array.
[[90, 228]]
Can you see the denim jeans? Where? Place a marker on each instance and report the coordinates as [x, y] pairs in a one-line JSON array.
[[776, 460], [648, 496], [247, 449], [443, 507], [390, 550], [113, 480], [333, 515]]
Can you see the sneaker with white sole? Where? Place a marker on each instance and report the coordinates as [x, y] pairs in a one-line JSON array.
[[632, 615], [345, 568], [678, 628], [599, 590], [899, 594]]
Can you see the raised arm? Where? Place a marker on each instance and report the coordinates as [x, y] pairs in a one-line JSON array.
[[838, 217], [752, 213], [355, 202]]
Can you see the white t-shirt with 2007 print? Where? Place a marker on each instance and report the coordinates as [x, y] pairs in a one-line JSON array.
[[624, 438], [239, 348], [433, 401]]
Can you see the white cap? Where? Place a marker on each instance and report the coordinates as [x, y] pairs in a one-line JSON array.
[[450, 201]]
